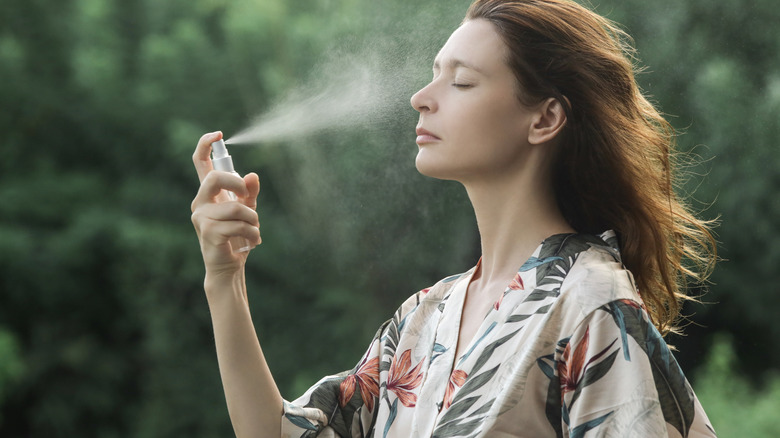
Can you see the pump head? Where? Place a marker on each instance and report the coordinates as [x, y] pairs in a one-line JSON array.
[[220, 157]]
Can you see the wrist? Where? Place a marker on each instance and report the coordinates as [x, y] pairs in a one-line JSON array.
[[222, 286]]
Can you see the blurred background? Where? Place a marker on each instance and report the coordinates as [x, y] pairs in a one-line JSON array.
[[104, 329]]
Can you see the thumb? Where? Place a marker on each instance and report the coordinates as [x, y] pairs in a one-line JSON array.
[[252, 182]]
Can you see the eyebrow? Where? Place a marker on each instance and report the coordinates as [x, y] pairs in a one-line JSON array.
[[454, 63]]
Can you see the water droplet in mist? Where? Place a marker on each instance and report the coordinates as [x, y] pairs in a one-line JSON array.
[[348, 91]]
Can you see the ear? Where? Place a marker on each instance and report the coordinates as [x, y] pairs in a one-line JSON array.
[[548, 120]]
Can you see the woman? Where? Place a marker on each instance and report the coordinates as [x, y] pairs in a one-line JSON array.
[[533, 107]]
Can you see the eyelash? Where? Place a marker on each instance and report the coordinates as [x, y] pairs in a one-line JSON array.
[[462, 86]]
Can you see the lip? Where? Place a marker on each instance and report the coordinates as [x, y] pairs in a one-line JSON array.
[[425, 136]]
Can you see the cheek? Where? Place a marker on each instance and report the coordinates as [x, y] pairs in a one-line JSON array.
[[493, 124]]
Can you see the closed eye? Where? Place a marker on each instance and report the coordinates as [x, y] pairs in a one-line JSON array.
[[461, 86]]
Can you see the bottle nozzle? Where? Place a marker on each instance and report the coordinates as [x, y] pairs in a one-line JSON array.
[[220, 157]]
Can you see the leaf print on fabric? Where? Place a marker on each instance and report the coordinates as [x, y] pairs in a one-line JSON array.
[[457, 379], [541, 294], [576, 370], [518, 318], [675, 396], [535, 262], [453, 429], [402, 380], [455, 422], [552, 406], [301, 422], [437, 351], [391, 417], [489, 350], [390, 340], [560, 252], [475, 383], [367, 379], [579, 431], [476, 343]]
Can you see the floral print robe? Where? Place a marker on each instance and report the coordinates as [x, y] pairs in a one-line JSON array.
[[566, 351]]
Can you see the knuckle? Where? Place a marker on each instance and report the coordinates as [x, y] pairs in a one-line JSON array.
[[209, 180], [207, 228], [236, 209]]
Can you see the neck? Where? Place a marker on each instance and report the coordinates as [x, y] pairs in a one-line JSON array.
[[515, 214]]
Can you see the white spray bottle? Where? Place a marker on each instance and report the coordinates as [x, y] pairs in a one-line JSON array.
[[223, 162]]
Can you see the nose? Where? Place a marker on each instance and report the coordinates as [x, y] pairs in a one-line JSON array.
[[422, 100]]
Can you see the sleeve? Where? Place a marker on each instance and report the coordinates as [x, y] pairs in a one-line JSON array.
[[345, 405], [619, 378], [342, 405]]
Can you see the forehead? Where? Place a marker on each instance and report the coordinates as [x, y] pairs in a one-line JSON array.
[[474, 43]]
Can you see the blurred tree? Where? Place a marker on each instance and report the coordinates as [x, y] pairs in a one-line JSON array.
[[103, 327], [714, 68]]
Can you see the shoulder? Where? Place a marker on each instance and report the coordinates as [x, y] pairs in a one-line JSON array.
[[597, 276]]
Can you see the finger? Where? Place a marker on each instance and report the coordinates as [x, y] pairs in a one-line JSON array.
[[253, 190], [225, 212], [219, 232], [213, 184], [201, 157]]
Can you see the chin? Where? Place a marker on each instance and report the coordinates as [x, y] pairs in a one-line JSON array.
[[425, 167], [434, 170]]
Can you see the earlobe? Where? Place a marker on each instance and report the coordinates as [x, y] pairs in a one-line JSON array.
[[549, 120]]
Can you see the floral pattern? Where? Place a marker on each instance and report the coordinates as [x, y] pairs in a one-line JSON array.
[[367, 378], [457, 379], [403, 381], [567, 350], [575, 371]]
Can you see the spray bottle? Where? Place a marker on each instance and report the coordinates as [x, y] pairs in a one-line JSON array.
[[223, 162]]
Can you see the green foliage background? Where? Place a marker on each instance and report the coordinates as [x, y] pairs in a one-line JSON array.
[[104, 330]]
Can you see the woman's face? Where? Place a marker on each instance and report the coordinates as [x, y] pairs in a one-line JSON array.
[[472, 124]]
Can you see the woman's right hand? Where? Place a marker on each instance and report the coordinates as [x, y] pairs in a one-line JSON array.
[[216, 218], [253, 399]]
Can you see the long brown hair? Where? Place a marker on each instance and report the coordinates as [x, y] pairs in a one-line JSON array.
[[616, 167]]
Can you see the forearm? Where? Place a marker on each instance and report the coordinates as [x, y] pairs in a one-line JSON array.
[[253, 400]]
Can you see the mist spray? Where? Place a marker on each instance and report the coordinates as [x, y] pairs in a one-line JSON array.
[[223, 162]]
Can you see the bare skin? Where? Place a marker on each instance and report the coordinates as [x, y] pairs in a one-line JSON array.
[[473, 130], [253, 399], [503, 157]]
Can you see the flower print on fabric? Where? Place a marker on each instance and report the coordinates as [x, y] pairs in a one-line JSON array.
[[575, 370], [367, 378], [569, 351], [402, 380], [516, 284], [458, 378]]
